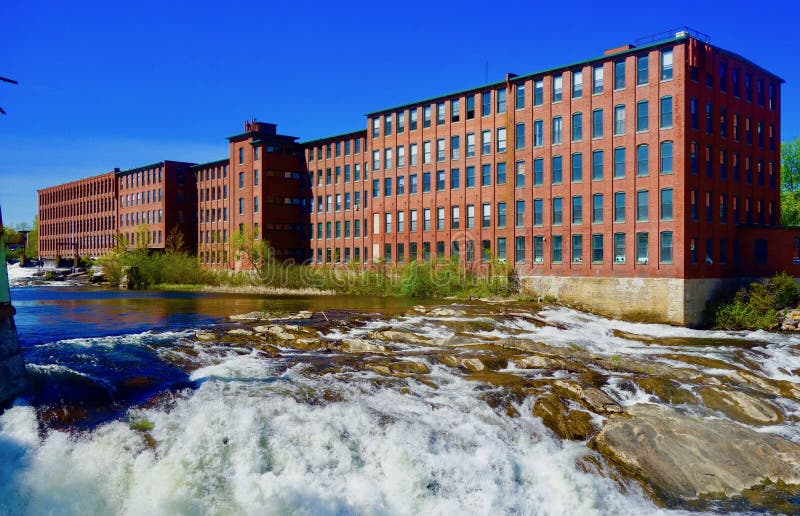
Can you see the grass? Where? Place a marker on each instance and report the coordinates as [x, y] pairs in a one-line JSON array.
[[756, 307]]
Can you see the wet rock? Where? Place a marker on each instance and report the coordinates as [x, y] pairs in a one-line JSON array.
[[251, 316], [240, 332], [550, 363], [402, 337], [741, 406], [478, 364], [442, 311], [599, 401], [678, 457], [283, 332], [567, 424], [409, 366], [666, 389], [205, 336], [362, 346]]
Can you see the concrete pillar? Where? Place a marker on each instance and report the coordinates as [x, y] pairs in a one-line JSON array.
[[12, 368]]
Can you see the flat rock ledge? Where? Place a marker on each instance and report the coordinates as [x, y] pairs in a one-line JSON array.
[[682, 458]]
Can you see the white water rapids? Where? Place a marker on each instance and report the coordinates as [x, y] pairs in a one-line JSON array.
[[260, 435]]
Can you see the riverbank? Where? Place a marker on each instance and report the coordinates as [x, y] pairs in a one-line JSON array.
[[244, 289]]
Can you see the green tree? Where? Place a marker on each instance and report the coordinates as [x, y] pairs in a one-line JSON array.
[[254, 252], [790, 182]]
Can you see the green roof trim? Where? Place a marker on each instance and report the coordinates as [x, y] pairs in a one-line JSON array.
[[632, 50], [217, 162], [137, 169], [361, 132]]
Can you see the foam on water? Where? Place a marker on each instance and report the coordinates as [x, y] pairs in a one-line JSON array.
[[257, 447]]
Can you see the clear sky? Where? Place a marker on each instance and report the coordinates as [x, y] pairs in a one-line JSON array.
[[122, 84]]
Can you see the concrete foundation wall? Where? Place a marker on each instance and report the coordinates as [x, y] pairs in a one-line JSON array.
[[665, 300], [12, 367]]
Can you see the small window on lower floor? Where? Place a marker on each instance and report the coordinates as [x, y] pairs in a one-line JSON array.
[[666, 247], [597, 248]]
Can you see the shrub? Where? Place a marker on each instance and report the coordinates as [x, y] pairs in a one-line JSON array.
[[756, 307]]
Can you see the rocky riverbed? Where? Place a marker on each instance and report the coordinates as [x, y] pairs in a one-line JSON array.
[[481, 407], [698, 419]]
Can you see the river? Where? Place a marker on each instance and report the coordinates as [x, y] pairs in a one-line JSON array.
[[156, 403]]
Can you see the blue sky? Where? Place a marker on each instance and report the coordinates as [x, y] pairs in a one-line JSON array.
[[105, 85]]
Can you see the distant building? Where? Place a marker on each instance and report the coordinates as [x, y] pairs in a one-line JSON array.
[[635, 182]]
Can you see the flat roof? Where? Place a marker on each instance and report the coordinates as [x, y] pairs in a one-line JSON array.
[[360, 132], [209, 163], [605, 57]]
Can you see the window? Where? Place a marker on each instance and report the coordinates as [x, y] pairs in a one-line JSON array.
[[597, 123], [501, 214], [426, 182], [642, 69], [709, 118], [642, 160], [519, 251], [401, 185], [666, 204], [557, 247], [255, 177], [241, 206], [486, 174], [693, 160], [387, 187], [255, 204], [387, 161], [376, 127], [412, 184], [723, 76], [619, 120], [426, 116], [501, 139], [470, 216], [412, 116], [538, 92], [470, 107], [376, 162], [538, 172], [619, 247], [470, 145], [241, 155], [558, 174], [597, 248], [597, 79], [412, 221], [577, 248], [455, 217], [519, 95], [501, 173], [557, 88], [538, 133], [665, 255], [401, 122], [241, 180], [486, 103], [414, 154], [597, 165], [455, 179], [519, 137], [557, 129], [619, 162], [501, 248], [519, 215], [693, 112], [440, 218], [577, 84], [501, 100], [666, 112], [642, 205], [666, 65], [619, 207], [519, 174], [426, 152], [577, 210], [577, 127], [455, 147], [641, 247], [387, 129], [440, 113], [426, 219], [440, 149], [486, 215], [577, 167], [455, 110], [642, 112], [666, 157], [486, 142], [470, 177], [619, 75], [440, 180], [597, 208], [558, 211]]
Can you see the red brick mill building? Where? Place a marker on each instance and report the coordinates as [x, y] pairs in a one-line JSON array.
[[637, 182]]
